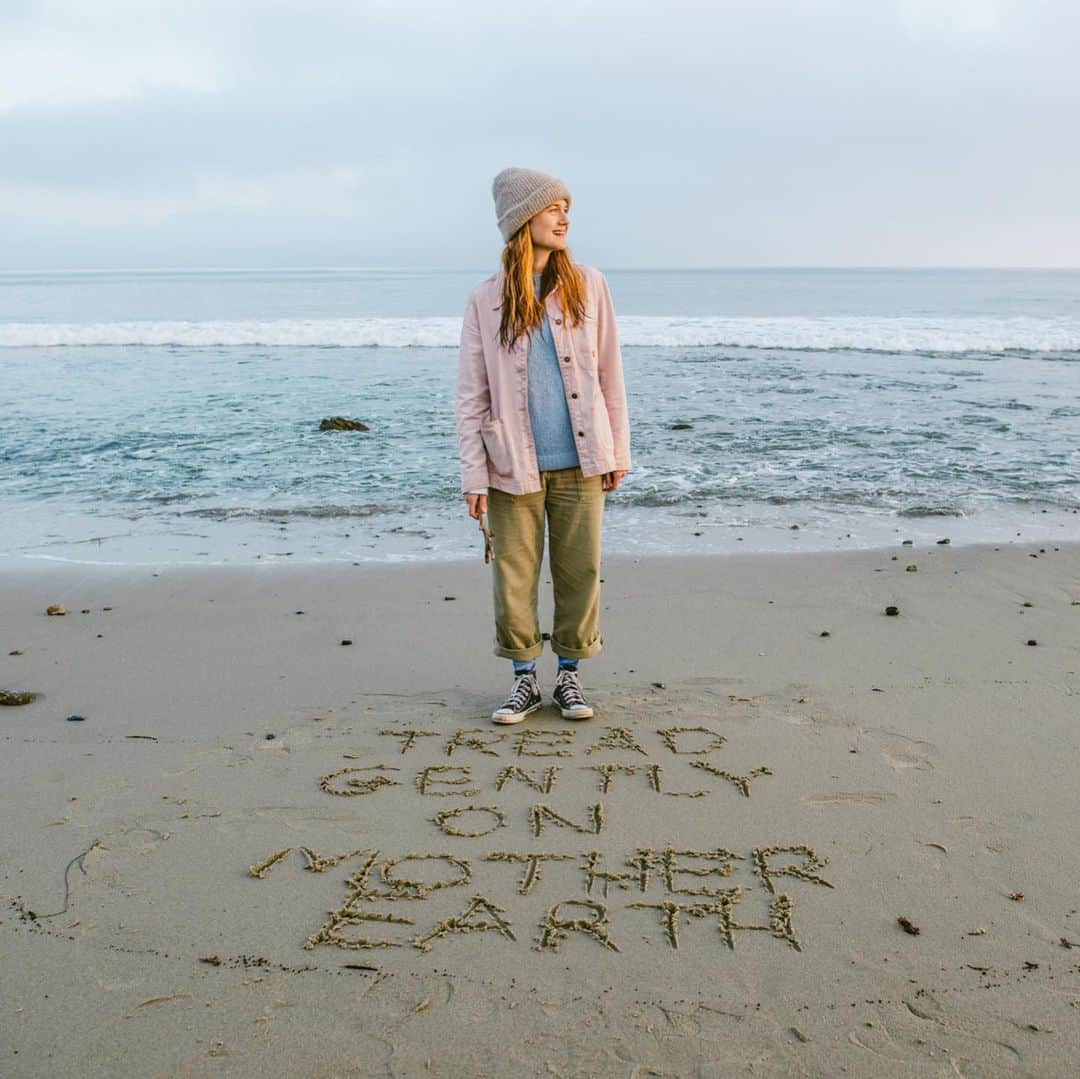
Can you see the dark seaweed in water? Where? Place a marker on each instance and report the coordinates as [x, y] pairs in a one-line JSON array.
[[229, 513], [929, 511]]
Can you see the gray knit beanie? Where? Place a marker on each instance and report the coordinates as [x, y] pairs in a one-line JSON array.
[[521, 193]]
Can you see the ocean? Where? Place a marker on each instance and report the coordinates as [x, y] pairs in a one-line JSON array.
[[172, 417]]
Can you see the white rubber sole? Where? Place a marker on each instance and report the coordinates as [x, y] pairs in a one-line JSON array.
[[507, 718], [570, 713]]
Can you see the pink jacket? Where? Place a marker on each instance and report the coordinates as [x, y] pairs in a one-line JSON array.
[[494, 433]]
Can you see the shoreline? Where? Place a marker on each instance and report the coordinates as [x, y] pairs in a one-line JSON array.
[[676, 530]]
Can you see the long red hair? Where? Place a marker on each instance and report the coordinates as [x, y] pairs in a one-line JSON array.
[[522, 308]]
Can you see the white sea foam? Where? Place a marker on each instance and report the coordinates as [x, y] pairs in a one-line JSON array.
[[970, 334]]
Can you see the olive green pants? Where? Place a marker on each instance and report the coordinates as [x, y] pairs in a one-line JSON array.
[[574, 508]]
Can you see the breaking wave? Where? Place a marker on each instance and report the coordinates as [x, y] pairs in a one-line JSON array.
[[1059, 335]]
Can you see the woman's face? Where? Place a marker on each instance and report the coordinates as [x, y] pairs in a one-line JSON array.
[[548, 228]]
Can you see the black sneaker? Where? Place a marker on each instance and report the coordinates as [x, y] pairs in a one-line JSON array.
[[524, 698], [568, 696]]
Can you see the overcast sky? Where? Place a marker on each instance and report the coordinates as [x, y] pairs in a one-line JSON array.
[[715, 133]]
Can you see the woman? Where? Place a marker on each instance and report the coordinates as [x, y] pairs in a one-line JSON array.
[[543, 432]]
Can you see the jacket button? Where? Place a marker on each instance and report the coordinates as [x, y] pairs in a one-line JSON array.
[[573, 395], [558, 322], [566, 359], [581, 434]]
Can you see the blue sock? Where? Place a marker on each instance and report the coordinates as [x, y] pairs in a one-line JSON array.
[[566, 664], [523, 665]]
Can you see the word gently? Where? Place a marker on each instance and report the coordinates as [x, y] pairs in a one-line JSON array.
[[482, 914], [449, 780]]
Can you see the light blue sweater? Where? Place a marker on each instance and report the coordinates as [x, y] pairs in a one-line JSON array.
[[553, 433]]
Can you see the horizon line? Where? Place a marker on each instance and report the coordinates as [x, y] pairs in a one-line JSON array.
[[470, 269]]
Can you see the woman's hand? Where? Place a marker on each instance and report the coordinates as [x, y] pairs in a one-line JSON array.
[[477, 505], [612, 480]]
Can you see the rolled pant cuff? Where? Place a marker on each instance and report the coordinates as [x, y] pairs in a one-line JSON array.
[[531, 652], [589, 650]]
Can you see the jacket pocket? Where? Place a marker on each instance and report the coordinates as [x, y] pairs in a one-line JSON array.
[[586, 343], [605, 435], [494, 435]]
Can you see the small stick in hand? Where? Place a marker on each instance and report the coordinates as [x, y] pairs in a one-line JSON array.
[[489, 548]]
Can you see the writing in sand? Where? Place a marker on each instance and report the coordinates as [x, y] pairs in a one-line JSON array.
[[665, 888]]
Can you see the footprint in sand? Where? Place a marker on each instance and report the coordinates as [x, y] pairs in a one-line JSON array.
[[713, 680], [836, 798], [900, 759], [902, 752]]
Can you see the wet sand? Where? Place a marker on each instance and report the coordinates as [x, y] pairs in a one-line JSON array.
[[264, 852]]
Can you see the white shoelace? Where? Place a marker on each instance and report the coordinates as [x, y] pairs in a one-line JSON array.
[[571, 688], [522, 691]]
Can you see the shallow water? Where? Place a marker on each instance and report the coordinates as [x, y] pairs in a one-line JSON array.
[[175, 417]]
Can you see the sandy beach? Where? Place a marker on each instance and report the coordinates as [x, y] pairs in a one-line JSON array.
[[262, 851]]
